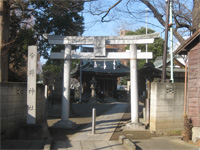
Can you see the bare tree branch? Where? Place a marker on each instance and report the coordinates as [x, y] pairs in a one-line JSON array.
[[181, 24], [102, 20], [157, 15]]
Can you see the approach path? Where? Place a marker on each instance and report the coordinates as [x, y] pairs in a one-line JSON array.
[[105, 126]]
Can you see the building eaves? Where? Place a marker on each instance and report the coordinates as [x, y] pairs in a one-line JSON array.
[[184, 48]]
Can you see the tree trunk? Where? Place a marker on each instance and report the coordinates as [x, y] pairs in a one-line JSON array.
[[196, 15], [4, 38], [159, 17]]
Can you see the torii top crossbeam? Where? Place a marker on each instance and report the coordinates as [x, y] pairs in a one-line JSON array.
[[100, 43], [108, 40]]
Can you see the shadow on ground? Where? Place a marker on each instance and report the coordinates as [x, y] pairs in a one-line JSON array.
[[82, 117]]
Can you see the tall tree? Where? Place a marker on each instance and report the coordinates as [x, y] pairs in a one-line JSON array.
[[185, 13], [195, 14], [57, 17], [52, 17], [61, 18]]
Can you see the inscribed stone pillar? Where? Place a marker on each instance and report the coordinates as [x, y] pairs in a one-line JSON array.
[[31, 85]]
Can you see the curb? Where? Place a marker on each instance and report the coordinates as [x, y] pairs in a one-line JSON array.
[[48, 143], [127, 143]]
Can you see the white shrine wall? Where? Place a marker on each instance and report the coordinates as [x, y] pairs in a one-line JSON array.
[[166, 107]]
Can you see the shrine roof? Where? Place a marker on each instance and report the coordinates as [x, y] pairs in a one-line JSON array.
[[88, 68]]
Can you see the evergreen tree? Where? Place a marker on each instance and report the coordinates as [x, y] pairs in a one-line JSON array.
[[156, 47], [20, 38], [59, 18], [56, 17], [29, 20]]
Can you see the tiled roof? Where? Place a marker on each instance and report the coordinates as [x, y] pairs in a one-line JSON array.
[[88, 68]]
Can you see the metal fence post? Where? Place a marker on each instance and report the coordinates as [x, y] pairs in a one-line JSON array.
[[93, 120]]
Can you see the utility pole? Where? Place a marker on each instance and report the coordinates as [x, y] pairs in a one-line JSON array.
[[80, 96], [81, 61], [146, 33], [163, 79], [1, 32], [171, 44]]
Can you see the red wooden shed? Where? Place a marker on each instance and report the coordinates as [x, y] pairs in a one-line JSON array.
[[191, 48]]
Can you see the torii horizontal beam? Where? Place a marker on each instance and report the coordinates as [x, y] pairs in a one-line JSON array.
[[91, 55]]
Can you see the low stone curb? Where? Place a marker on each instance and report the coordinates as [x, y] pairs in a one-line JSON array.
[[48, 143], [127, 143]]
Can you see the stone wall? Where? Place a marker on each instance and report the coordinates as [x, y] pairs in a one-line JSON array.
[[166, 106], [13, 104]]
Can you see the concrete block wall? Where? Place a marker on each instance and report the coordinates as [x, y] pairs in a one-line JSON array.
[[166, 106], [13, 102]]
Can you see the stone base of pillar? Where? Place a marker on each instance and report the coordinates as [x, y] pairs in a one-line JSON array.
[[134, 127], [195, 134], [65, 124]]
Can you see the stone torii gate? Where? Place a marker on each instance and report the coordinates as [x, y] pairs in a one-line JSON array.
[[99, 53]]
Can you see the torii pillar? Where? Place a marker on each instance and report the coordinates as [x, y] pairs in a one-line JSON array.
[[134, 124], [134, 84], [65, 122], [66, 85]]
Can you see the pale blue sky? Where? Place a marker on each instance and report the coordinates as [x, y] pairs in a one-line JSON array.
[[94, 26], [123, 20]]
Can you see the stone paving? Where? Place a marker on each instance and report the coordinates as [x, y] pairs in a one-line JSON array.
[[105, 126], [89, 145], [164, 143]]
